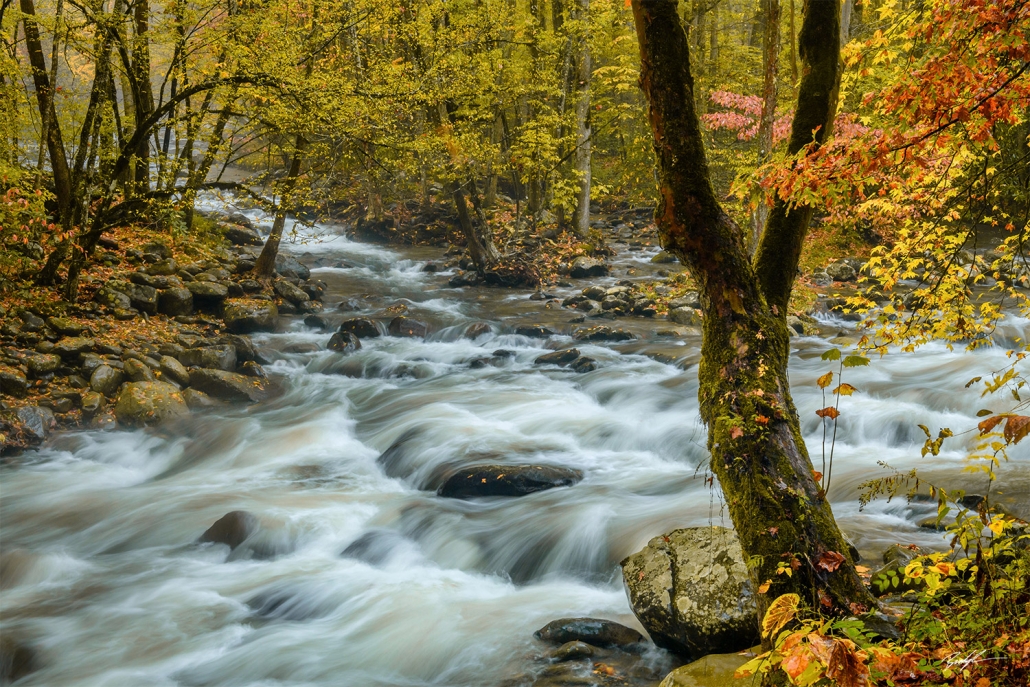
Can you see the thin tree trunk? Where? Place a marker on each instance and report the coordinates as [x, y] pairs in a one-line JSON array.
[[54, 51], [754, 435], [144, 91], [265, 266], [770, 59], [214, 144], [581, 222], [793, 47], [47, 111], [846, 9]]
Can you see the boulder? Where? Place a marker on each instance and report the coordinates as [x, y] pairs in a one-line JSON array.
[[562, 358], [175, 301], [149, 403], [71, 347], [476, 330], [31, 322], [173, 370], [42, 364], [664, 257], [506, 480], [595, 293], [240, 219], [160, 250], [690, 299], [583, 267], [583, 364], [221, 357], [208, 294], [232, 529], [198, 400], [138, 372], [691, 592], [594, 631], [714, 670], [316, 322], [142, 298], [841, 271], [407, 327], [253, 369], [289, 292], [603, 333], [162, 268], [344, 342], [229, 386], [361, 327], [534, 331], [113, 298], [240, 235], [246, 316], [820, 279], [38, 422], [289, 266], [13, 382], [91, 403], [685, 316], [106, 380], [66, 327]]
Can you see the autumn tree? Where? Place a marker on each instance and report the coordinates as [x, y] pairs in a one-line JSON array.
[[782, 518]]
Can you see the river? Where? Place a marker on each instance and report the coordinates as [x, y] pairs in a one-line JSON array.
[[103, 576]]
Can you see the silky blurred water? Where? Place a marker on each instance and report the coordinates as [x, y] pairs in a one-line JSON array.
[[102, 575]]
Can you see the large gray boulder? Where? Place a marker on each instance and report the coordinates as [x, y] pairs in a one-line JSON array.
[[583, 267], [289, 292], [220, 357], [149, 403], [691, 592], [175, 301], [246, 315], [230, 386], [289, 266]]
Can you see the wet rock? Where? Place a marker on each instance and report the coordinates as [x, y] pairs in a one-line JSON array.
[[246, 316], [314, 288], [230, 386], [175, 301], [220, 357], [561, 358], [571, 651], [361, 327], [316, 322], [583, 267], [796, 324], [163, 268], [42, 364], [174, 371], [534, 331], [244, 348], [158, 249], [407, 327], [301, 347], [351, 305], [594, 631], [91, 404], [595, 293], [253, 369], [138, 372], [820, 279], [250, 285], [71, 347], [373, 547], [685, 316], [289, 266], [289, 292], [124, 314], [37, 422], [66, 326], [31, 322], [198, 400], [476, 330], [506, 480], [714, 670], [239, 235], [240, 219], [690, 299], [208, 295], [602, 333], [232, 529], [691, 592], [13, 382], [583, 364], [664, 258], [841, 271], [106, 380], [149, 403], [142, 298], [113, 299], [344, 342]]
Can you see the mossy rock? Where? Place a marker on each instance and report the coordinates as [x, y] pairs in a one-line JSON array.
[[714, 670], [149, 403]]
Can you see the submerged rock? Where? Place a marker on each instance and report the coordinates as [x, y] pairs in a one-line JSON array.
[[563, 357], [344, 342], [506, 480], [231, 529], [691, 591], [407, 327], [594, 631], [361, 327]]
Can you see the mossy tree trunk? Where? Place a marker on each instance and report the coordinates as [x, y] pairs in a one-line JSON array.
[[264, 268], [754, 436]]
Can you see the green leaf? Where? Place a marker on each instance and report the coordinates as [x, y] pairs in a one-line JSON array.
[[832, 354], [855, 361]]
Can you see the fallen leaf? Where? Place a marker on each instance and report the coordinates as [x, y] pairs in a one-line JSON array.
[[829, 561], [764, 587]]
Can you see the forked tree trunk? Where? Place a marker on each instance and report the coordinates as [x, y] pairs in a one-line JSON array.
[[581, 222], [264, 268], [754, 435]]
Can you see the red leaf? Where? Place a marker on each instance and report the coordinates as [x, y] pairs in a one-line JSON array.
[[829, 561], [1016, 428]]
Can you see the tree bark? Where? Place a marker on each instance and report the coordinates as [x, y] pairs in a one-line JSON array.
[[581, 222], [779, 249], [265, 266], [770, 59], [754, 437], [143, 90]]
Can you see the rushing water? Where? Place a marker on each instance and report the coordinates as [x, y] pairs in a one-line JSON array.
[[101, 573]]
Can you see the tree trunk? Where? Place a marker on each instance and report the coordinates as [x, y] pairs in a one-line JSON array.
[[779, 249], [754, 437], [581, 222], [770, 59], [143, 90], [480, 244], [47, 112], [845, 21], [793, 47], [265, 266]]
